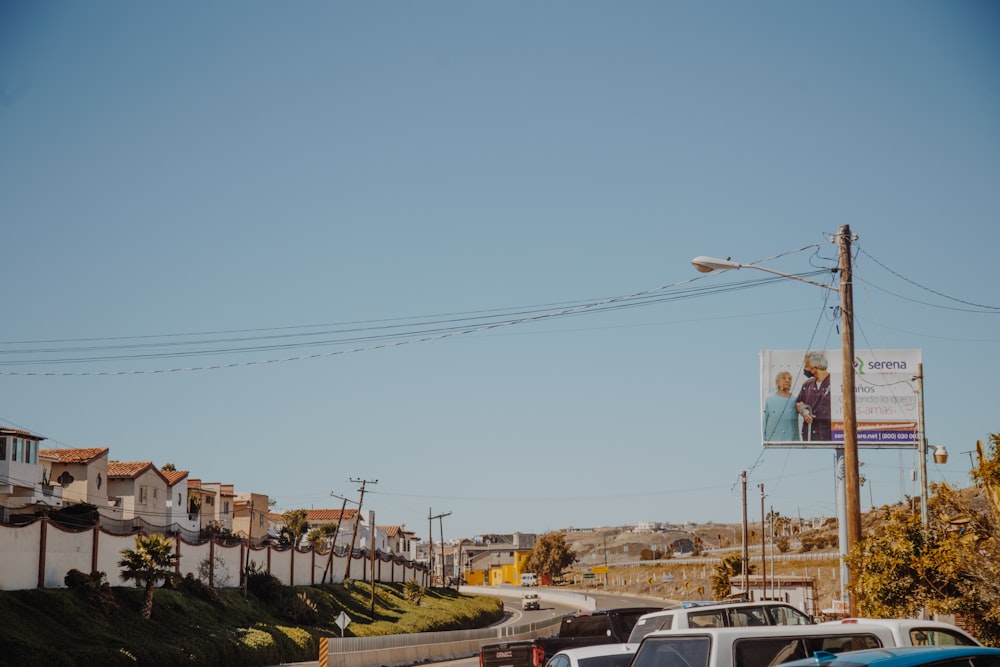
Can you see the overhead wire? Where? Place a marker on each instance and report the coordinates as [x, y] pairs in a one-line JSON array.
[[428, 330]]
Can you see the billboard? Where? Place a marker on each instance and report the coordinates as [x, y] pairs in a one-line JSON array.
[[802, 398]]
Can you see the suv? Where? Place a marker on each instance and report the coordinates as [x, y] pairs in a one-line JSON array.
[[718, 615], [530, 601]]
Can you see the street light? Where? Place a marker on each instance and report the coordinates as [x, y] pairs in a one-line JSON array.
[[852, 477]]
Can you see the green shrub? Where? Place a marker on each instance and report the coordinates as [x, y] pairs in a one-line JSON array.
[[94, 589]]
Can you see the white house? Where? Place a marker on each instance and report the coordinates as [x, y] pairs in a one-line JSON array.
[[137, 489], [82, 473], [24, 477]]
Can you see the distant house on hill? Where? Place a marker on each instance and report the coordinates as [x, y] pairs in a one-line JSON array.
[[399, 540]]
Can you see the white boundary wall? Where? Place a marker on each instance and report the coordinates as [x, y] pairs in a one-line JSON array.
[[40, 554]]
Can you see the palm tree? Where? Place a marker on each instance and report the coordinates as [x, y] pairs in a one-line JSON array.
[[295, 522], [727, 569], [152, 559]]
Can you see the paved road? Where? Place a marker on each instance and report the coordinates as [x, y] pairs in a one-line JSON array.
[[603, 601], [514, 616]]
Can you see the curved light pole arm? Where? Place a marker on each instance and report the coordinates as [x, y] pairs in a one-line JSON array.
[[709, 264]]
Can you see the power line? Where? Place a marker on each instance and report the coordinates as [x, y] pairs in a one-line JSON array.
[[387, 340]]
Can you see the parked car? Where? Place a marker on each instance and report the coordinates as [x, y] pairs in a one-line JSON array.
[[906, 656], [585, 628], [608, 655], [720, 615], [530, 601], [764, 646]]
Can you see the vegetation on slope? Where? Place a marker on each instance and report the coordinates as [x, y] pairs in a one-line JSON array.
[[194, 625]]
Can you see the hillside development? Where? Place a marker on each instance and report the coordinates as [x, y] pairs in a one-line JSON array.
[[679, 577]]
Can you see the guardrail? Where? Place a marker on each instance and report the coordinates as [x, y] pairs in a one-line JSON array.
[[410, 649]]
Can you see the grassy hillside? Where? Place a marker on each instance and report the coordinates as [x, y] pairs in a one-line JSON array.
[[68, 628]]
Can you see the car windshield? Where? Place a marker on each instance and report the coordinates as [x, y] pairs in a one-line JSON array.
[[646, 625], [673, 652], [615, 660]]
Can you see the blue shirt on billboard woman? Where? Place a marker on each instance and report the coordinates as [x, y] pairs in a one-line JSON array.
[[813, 402], [781, 419]]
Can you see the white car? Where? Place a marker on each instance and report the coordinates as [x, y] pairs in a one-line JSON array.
[[530, 601], [605, 655], [720, 615]]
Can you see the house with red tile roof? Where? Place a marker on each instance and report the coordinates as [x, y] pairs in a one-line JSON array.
[[178, 509], [24, 479], [81, 472], [214, 502], [399, 540], [250, 515], [137, 490]]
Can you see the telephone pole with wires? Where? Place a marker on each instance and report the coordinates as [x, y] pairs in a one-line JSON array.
[[354, 535]]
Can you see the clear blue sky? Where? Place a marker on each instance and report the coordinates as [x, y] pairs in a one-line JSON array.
[[357, 182]]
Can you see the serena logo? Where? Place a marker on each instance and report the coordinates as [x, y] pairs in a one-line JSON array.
[[859, 365]]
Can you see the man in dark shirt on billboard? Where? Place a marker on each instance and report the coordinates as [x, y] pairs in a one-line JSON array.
[[813, 401]]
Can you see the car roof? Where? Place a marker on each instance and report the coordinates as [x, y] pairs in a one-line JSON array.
[[620, 610], [897, 623], [698, 606], [903, 624], [901, 656], [776, 630], [599, 650]]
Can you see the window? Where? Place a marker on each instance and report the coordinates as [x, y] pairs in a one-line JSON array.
[[644, 626], [225, 507], [585, 626], [3, 449], [766, 651], [747, 616], [788, 616], [673, 652], [15, 454], [143, 493], [938, 637], [707, 619]]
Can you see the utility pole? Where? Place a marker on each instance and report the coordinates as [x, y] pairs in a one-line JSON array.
[[763, 546], [336, 534], [246, 565], [746, 553], [771, 532], [852, 475], [354, 535], [441, 526], [371, 527], [922, 450]]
